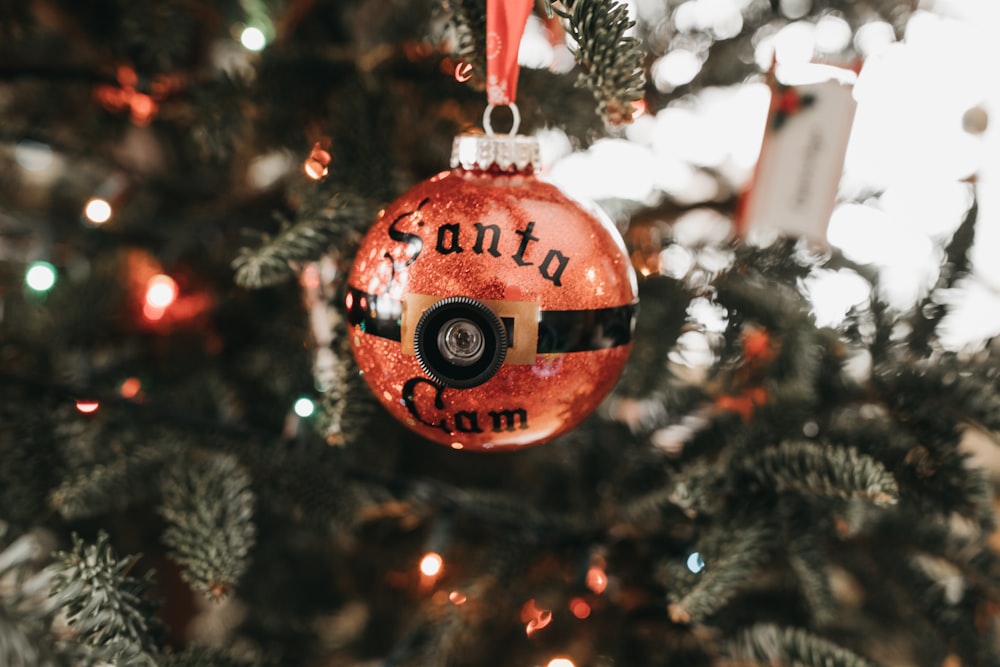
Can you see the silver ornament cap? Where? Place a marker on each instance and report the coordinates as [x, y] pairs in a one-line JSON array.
[[499, 151], [503, 152]]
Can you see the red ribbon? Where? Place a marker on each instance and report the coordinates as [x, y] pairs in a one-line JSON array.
[[505, 21]]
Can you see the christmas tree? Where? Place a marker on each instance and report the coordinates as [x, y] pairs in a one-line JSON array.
[[195, 473]]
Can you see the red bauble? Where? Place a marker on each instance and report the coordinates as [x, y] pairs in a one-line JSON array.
[[488, 310]]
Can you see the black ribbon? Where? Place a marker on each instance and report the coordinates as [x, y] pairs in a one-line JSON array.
[[559, 331]]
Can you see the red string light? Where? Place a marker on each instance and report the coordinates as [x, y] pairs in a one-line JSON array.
[[579, 608], [130, 387], [86, 406], [534, 617], [142, 107], [463, 71], [597, 579], [317, 165]]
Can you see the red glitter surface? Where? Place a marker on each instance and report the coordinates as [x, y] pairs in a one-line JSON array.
[[532, 243]]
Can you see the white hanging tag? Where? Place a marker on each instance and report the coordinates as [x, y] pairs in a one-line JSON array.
[[797, 177]]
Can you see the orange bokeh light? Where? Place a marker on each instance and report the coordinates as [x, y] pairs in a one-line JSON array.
[[597, 580], [161, 291], [431, 564], [457, 597], [130, 387], [317, 165], [579, 608], [463, 72], [534, 617], [142, 107], [310, 279]]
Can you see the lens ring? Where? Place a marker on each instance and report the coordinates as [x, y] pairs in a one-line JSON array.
[[460, 342]]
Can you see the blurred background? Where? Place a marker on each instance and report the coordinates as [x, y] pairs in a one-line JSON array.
[[788, 461], [920, 138]]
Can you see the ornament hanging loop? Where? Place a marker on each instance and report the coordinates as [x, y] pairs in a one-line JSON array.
[[488, 113]]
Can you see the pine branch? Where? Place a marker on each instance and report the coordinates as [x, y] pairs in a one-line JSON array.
[[335, 224], [795, 647], [663, 316], [733, 553], [808, 560], [29, 455], [25, 637], [939, 536], [450, 634], [931, 404], [103, 604], [813, 469], [611, 61], [346, 404], [755, 293], [202, 656], [219, 118], [501, 508], [111, 485], [951, 614], [928, 314], [945, 387], [692, 490], [208, 505], [162, 36]]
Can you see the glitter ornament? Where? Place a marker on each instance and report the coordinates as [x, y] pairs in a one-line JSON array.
[[487, 309]]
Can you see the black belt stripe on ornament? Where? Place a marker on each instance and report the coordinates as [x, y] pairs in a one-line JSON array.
[[559, 331]]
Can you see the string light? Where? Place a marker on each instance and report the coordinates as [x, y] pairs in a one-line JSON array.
[[457, 597], [561, 662], [534, 617], [161, 291], [463, 71], [695, 563], [130, 387], [304, 407], [597, 579], [109, 197], [33, 155], [431, 564], [317, 165], [97, 210], [253, 39], [579, 608], [310, 280], [142, 106], [86, 406], [40, 276]]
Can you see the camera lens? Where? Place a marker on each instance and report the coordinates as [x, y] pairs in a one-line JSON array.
[[460, 342]]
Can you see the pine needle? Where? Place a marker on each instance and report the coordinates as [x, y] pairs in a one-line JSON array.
[[105, 606], [209, 507], [611, 59], [275, 261], [773, 645], [111, 485], [733, 555], [821, 470]]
